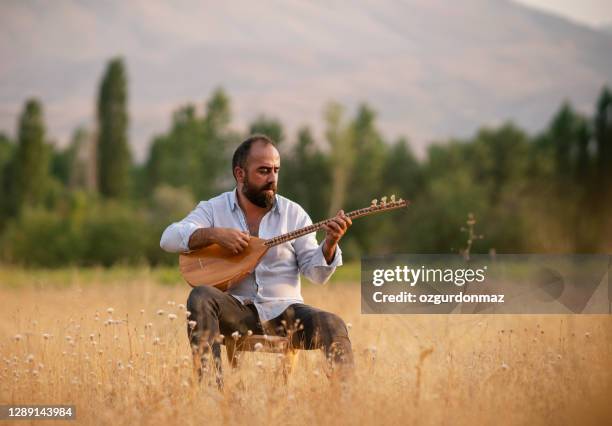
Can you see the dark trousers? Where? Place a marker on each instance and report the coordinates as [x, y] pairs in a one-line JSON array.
[[217, 313]]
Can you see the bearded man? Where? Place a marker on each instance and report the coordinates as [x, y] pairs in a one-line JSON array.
[[269, 300]]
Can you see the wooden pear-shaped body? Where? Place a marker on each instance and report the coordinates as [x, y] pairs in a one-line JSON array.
[[217, 266]]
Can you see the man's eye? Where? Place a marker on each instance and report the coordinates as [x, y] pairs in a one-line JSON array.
[[267, 171]]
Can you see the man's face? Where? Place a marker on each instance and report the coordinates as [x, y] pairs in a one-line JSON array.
[[259, 182]]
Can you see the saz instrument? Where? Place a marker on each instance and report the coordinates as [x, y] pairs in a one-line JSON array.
[[216, 266]]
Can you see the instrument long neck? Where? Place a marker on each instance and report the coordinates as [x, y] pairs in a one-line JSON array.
[[316, 226]]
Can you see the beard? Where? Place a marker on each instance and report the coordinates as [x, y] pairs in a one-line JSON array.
[[260, 196]]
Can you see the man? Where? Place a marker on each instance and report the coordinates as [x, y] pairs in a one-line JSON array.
[[269, 300]]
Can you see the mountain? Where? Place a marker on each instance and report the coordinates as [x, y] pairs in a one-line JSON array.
[[431, 69], [606, 28]]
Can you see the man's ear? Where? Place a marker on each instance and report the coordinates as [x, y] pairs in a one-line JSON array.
[[239, 174]]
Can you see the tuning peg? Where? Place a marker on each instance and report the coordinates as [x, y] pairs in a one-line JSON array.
[[383, 201], [392, 198], [374, 202]]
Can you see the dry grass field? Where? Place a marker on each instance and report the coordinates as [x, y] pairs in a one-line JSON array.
[[114, 344]]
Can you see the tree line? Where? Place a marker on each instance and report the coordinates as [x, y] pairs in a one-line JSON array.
[[91, 204]]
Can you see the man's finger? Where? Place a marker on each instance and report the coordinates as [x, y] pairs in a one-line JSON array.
[[334, 227], [341, 223]]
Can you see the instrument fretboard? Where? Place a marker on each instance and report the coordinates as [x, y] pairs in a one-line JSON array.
[[316, 226]]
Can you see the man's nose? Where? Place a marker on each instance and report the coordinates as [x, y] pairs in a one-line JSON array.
[[272, 177]]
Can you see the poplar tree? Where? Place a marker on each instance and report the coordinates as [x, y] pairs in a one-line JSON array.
[[365, 176], [601, 191], [603, 137], [305, 176], [113, 151], [342, 155], [30, 166], [270, 127]]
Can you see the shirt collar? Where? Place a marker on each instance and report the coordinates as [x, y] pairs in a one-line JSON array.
[[234, 201]]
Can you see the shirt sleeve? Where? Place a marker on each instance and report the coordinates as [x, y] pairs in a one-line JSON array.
[[309, 253], [175, 238]]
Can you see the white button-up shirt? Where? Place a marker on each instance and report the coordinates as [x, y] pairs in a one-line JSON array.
[[275, 283]]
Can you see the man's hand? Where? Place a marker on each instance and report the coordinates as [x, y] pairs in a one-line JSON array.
[[232, 239], [335, 229]]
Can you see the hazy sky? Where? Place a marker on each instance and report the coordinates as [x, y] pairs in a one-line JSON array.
[[591, 12]]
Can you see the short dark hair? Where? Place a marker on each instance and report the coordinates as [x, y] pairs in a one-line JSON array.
[[242, 152]]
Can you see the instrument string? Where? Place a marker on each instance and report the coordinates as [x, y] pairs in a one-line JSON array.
[[316, 226]]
